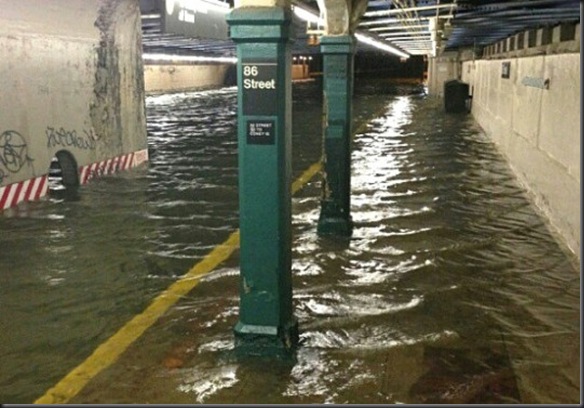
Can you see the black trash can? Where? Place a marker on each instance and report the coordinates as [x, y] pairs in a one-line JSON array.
[[455, 96]]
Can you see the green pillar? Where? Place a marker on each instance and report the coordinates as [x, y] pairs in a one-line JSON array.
[[335, 214], [264, 119]]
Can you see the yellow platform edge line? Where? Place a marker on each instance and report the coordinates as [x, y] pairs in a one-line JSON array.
[[110, 350]]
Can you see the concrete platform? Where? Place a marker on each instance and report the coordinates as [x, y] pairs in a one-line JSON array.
[[451, 290]]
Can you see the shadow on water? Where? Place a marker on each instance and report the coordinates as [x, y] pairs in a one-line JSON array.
[[451, 289]]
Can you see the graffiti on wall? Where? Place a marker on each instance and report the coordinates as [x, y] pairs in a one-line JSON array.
[[70, 138], [13, 154]]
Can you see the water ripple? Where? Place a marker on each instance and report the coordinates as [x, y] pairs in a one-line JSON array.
[[450, 281]]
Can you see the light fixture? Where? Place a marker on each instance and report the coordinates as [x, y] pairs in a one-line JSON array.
[[152, 58], [381, 46], [198, 5], [306, 15]]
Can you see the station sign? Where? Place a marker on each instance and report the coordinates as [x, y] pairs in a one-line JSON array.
[[196, 18], [262, 132], [505, 69], [259, 87]]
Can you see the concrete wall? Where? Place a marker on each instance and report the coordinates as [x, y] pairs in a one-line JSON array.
[[173, 78], [71, 76], [161, 78], [537, 127], [441, 69], [300, 71]]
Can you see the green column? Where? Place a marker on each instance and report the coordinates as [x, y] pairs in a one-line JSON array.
[[335, 214], [266, 319]]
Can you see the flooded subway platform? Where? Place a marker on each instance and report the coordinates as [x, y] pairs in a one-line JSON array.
[[451, 290]]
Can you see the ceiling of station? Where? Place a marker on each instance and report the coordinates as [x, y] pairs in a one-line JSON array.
[[461, 23], [155, 41], [413, 26]]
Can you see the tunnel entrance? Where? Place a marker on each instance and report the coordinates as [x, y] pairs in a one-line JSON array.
[[63, 176]]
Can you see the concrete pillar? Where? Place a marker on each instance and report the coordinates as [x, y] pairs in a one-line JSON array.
[[266, 320], [337, 47], [342, 16], [441, 69], [335, 215]]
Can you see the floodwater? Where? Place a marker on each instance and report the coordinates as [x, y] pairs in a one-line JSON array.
[[451, 290]]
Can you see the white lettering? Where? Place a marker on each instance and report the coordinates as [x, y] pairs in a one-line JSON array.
[[254, 84], [250, 70]]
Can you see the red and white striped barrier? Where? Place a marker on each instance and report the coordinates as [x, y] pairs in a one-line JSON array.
[[36, 188], [110, 166], [28, 190]]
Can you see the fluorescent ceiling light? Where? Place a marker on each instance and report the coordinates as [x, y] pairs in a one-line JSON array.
[[395, 20], [402, 39], [417, 45], [306, 15], [382, 22], [186, 58], [218, 5], [201, 6], [405, 33], [411, 41], [380, 45], [309, 16], [301, 13]]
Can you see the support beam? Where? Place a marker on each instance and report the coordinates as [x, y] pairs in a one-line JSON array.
[[342, 16], [266, 320]]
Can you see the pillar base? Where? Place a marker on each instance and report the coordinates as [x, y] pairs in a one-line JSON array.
[[254, 340], [335, 226]]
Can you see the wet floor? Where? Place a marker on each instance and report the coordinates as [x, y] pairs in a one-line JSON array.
[[451, 290]]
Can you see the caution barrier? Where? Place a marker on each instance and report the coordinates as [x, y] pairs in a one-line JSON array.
[[36, 188]]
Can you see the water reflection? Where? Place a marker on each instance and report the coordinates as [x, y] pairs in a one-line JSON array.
[[451, 290]]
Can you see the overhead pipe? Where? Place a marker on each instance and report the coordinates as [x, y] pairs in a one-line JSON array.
[[380, 13], [402, 33], [395, 28], [513, 4], [512, 13], [535, 19]]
